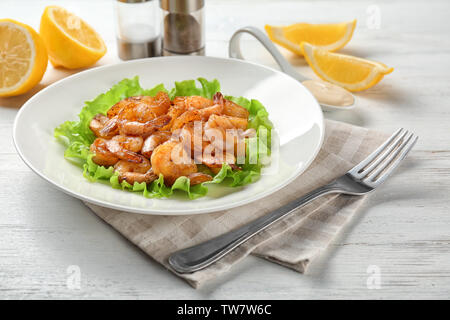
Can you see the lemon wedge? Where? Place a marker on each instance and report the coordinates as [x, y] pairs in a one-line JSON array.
[[70, 41], [349, 72], [23, 58], [329, 37]]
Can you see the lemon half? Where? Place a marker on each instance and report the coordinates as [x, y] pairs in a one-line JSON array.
[[70, 41], [23, 58]]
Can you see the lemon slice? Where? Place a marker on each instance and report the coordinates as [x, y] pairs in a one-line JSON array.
[[23, 58], [351, 73], [70, 41], [329, 37]]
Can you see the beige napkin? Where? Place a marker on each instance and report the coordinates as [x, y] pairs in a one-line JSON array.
[[292, 242]]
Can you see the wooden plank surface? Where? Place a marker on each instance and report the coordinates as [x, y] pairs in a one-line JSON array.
[[404, 229]]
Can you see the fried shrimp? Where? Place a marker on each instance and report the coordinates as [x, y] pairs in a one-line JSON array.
[[136, 128], [111, 128], [174, 112], [203, 114], [225, 132], [193, 102], [135, 172], [144, 137], [191, 135], [102, 156], [103, 127], [198, 177], [133, 144], [214, 159], [126, 148], [226, 122], [141, 108], [153, 141], [97, 123], [170, 160], [234, 110]]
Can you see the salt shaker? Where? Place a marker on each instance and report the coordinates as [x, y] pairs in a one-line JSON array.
[[183, 27], [138, 29]]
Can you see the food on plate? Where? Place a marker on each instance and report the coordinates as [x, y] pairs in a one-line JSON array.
[[158, 141], [23, 58]]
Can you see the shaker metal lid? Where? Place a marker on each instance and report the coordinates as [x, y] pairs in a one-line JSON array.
[[182, 6]]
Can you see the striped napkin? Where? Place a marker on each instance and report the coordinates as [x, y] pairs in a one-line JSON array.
[[292, 242]]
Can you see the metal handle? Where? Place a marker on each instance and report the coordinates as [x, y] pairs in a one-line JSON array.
[[202, 255], [234, 50]]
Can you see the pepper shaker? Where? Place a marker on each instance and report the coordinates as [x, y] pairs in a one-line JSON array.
[[138, 29], [183, 27]]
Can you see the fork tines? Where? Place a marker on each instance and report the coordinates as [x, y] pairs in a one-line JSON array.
[[382, 162]]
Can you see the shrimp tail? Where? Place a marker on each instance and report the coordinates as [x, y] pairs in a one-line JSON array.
[[111, 127], [218, 98]]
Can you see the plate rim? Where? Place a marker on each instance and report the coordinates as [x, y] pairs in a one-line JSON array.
[[153, 211]]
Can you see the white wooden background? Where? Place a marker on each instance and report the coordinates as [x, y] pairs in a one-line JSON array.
[[404, 229]]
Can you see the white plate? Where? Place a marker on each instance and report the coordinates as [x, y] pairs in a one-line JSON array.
[[296, 116]]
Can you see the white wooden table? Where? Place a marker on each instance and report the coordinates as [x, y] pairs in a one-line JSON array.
[[404, 229]]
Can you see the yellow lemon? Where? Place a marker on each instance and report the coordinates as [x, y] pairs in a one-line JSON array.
[[331, 37], [70, 41], [23, 58], [349, 72]]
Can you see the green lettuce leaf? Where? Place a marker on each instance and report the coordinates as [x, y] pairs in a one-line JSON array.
[[78, 137]]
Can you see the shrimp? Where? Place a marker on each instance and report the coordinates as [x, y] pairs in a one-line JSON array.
[[132, 172], [193, 102], [111, 128], [225, 132], [199, 114], [161, 103], [141, 108], [191, 136], [198, 177], [126, 148], [97, 123], [186, 117], [234, 110], [170, 160], [214, 159], [226, 122], [123, 166], [217, 108], [153, 141], [136, 128], [133, 144], [102, 156], [174, 112], [103, 127]]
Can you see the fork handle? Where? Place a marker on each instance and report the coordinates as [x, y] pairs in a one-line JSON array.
[[202, 255]]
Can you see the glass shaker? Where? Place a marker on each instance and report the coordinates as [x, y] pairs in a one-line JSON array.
[[183, 27], [138, 29]]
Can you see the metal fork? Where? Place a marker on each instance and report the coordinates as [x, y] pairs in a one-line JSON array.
[[360, 180]]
